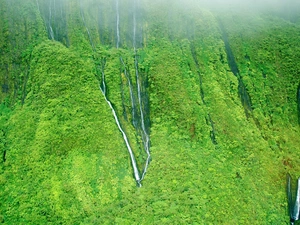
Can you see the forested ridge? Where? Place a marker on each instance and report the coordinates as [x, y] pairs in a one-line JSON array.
[[147, 112]]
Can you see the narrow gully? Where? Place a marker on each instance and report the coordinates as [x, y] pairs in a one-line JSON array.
[[145, 135], [132, 98], [208, 119], [242, 90]]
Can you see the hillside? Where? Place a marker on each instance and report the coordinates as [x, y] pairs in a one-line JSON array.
[[92, 88]]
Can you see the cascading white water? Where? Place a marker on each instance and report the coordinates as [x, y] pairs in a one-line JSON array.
[[132, 157], [133, 162], [103, 91]]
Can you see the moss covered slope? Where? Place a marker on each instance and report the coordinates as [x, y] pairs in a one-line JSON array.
[[64, 160]]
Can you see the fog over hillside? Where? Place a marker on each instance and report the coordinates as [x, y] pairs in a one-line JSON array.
[[149, 111]]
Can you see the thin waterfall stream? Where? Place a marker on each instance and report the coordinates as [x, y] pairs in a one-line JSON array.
[[102, 87], [38, 6], [118, 23], [145, 135], [142, 129], [54, 18], [133, 110], [51, 33], [87, 30], [132, 157], [137, 103]]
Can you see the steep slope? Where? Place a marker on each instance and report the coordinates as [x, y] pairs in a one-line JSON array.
[[186, 71]]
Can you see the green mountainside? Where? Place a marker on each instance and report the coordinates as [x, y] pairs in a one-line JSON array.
[[217, 92]]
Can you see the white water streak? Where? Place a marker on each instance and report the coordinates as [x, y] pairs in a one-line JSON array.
[[133, 162], [297, 202], [118, 23], [145, 136], [134, 26], [103, 83], [131, 93], [50, 19], [103, 91], [87, 30], [38, 6]]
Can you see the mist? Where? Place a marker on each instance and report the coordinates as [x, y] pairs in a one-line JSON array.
[[269, 5], [289, 9]]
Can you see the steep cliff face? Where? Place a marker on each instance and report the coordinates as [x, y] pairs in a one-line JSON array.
[[91, 88], [21, 30]]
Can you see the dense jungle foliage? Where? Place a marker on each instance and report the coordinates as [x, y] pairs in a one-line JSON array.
[[219, 88]]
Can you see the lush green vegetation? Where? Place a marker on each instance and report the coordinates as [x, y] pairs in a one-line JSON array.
[[63, 159]]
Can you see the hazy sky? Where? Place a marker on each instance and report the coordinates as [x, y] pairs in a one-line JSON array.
[[252, 4]]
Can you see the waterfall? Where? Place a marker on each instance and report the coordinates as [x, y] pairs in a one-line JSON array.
[[145, 135], [56, 31], [297, 202], [118, 23], [293, 202], [87, 30], [38, 6], [133, 162], [132, 157], [134, 26], [133, 108], [54, 20], [102, 88], [51, 33]]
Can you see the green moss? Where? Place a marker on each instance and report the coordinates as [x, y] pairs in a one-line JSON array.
[[66, 161]]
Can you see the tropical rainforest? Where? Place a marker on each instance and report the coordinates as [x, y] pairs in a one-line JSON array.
[[148, 111]]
